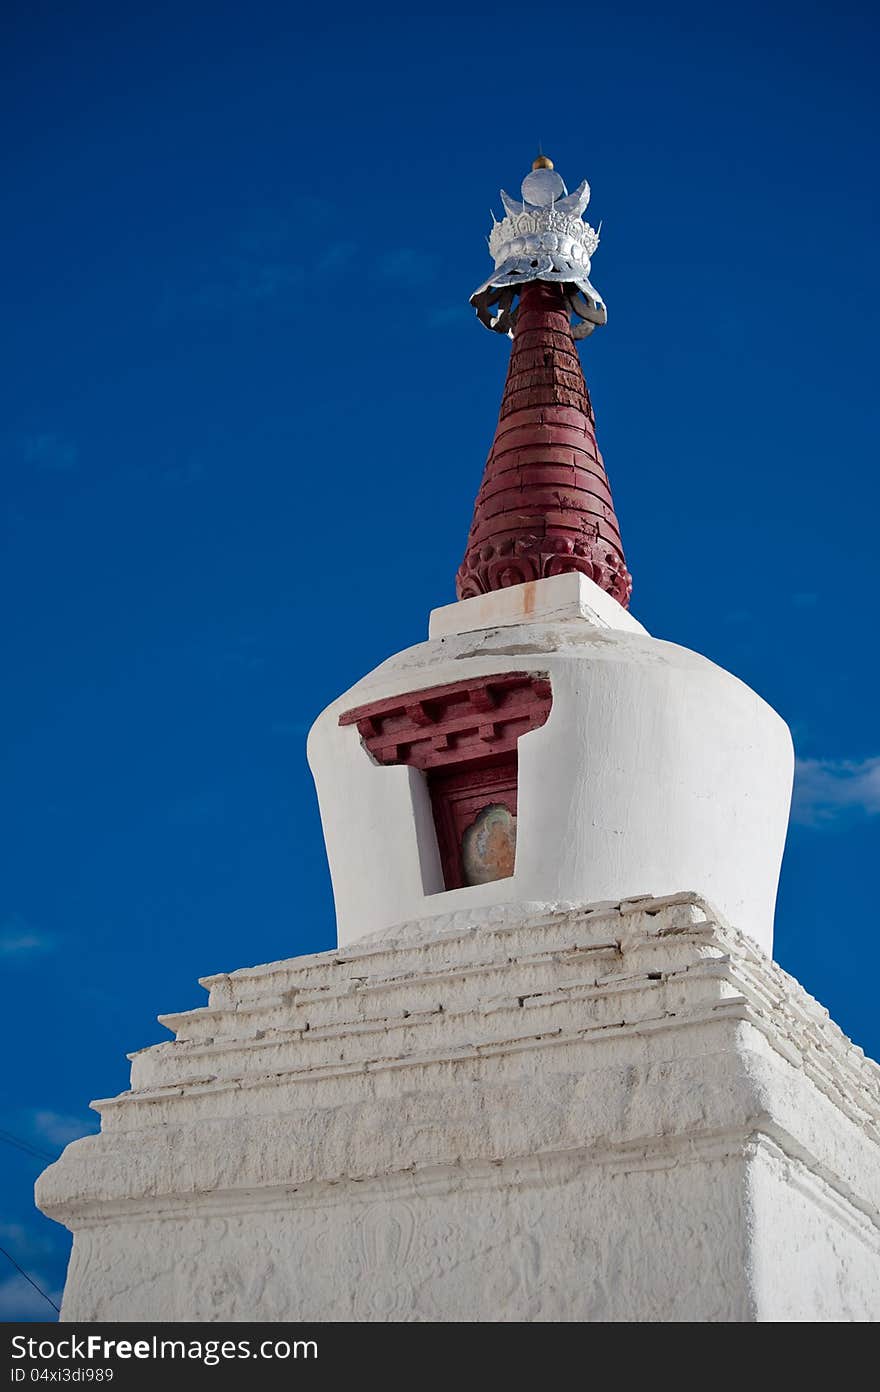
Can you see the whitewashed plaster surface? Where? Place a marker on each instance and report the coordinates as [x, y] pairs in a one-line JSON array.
[[655, 769], [618, 1112], [558, 598]]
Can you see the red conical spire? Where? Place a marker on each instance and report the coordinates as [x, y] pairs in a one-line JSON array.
[[544, 505]]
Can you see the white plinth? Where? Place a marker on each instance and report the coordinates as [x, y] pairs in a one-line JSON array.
[[550, 1113], [558, 599]]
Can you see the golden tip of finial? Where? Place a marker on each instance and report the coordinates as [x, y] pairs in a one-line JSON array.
[[542, 162]]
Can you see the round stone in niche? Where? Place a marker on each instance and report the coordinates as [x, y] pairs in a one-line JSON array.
[[488, 847]]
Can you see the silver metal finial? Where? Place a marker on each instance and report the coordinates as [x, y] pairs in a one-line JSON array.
[[543, 237]]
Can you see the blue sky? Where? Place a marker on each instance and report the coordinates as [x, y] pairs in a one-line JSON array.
[[245, 404]]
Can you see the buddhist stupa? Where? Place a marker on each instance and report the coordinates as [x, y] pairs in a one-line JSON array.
[[551, 1072]]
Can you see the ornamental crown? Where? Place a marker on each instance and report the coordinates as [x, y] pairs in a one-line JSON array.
[[542, 237]]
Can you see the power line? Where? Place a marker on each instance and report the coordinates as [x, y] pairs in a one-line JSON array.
[[37, 1288], [36, 1154], [26, 1147]]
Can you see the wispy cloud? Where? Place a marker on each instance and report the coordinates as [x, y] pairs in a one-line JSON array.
[[232, 285], [825, 790], [406, 266], [208, 807], [276, 260], [50, 452], [450, 314], [19, 1300], [295, 728], [182, 468], [34, 1242], [59, 1129], [272, 257], [335, 256], [247, 654], [18, 939]]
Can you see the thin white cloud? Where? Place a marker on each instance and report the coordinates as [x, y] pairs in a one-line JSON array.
[[182, 468], [291, 727], [50, 452], [231, 285], [205, 808], [406, 266], [450, 314], [19, 940], [336, 256], [19, 1300], [59, 1130], [277, 260], [250, 282], [28, 1244], [826, 790]]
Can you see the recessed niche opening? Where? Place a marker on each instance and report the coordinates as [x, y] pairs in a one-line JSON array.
[[460, 741]]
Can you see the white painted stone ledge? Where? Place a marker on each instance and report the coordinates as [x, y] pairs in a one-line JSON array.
[[556, 599], [432, 1042], [569, 1112]]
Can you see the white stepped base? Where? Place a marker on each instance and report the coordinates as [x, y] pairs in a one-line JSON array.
[[618, 1112]]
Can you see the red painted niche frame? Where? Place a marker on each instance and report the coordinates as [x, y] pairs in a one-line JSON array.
[[463, 737]]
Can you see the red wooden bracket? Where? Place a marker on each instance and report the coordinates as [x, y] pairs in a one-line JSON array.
[[445, 726]]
